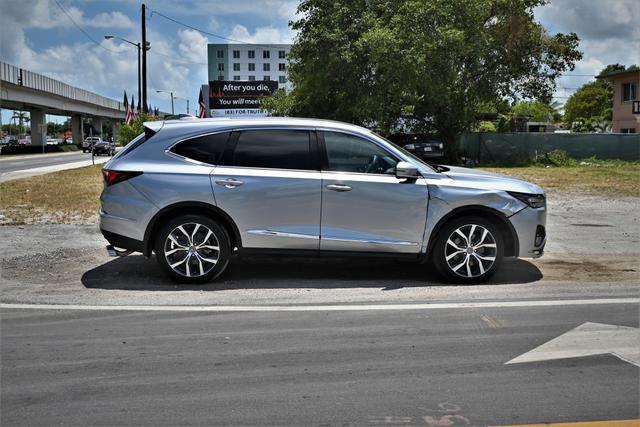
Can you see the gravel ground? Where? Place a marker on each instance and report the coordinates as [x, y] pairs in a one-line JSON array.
[[592, 242]]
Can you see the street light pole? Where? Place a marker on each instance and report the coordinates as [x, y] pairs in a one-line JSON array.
[[139, 48], [144, 58], [170, 93]]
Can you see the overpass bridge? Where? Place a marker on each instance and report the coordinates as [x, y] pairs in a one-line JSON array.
[[25, 90]]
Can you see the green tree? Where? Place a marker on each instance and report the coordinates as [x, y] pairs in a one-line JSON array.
[[129, 132], [536, 111], [590, 108], [427, 62]]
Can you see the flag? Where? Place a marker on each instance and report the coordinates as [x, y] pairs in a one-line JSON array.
[[156, 112], [133, 108], [202, 109], [126, 108], [139, 109]]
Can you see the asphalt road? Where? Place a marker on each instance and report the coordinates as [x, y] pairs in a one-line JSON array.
[[33, 161], [332, 368]]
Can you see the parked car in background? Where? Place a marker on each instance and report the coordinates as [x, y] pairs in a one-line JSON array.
[[52, 141], [104, 147], [89, 142], [197, 192], [420, 145]]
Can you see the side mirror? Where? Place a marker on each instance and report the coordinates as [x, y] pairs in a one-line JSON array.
[[406, 170]]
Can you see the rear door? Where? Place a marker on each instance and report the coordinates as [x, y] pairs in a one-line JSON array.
[[365, 208], [270, 185]]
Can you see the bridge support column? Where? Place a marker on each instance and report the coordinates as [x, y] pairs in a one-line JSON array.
[[115, 130], [96, 123], [77, 129], [38, 127]]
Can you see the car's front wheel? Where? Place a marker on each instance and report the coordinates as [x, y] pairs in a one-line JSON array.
[[193, 248], [468, 249]]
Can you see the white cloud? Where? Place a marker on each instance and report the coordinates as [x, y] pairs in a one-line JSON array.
[[110, 20], [214, 24], [262, 34], [608, 33]]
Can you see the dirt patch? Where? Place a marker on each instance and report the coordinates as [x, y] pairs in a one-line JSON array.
[[581, 268]]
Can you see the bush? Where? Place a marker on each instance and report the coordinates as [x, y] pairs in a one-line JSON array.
[[486, 126], [556, 158]]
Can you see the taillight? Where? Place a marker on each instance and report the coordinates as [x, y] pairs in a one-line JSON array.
[[114, 177]]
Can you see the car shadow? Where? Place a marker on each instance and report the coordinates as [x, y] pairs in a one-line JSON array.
[[137, 273]]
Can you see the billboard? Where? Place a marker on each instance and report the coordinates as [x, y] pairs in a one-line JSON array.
[[239, 98]]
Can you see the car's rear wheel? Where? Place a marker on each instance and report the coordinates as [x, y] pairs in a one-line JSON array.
[[193, 249], [468, 249]]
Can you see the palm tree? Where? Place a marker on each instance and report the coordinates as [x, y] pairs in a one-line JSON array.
[[22, 117]]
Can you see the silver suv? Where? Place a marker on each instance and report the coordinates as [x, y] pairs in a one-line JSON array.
[[197, 192]]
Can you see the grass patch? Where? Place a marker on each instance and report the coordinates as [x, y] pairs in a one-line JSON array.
[[72, 196], [65, 197], [607, 177]]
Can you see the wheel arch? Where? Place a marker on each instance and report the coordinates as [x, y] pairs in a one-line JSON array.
[[511, 247], [190, 208]]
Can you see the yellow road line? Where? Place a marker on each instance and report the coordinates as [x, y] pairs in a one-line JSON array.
[[610, 423]]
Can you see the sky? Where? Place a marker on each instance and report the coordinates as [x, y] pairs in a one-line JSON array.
[[64, 39]]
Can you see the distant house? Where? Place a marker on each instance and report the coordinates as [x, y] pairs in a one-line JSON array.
[[625, 92]]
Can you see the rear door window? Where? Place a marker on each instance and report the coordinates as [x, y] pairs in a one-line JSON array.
[[206, 148], [274, 149]]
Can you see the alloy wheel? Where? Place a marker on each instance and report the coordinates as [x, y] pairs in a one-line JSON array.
[[470, 251], [192, 250]]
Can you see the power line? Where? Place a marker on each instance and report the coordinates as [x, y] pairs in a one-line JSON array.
[[82, 30], [205, 32]]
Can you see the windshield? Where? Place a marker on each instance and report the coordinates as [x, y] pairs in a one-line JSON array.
[[405, 152]]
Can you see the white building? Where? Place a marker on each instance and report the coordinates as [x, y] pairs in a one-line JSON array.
[[249, 62]]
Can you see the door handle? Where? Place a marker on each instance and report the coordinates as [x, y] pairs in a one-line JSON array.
[[229, 182], [338, 187]]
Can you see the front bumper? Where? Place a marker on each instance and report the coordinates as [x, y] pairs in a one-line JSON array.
[[530, 226]]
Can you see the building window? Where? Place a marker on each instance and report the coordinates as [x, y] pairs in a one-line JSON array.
[[220, 54], [282, 66], [220, 77], [252, 54], [267, 78], [220, 66], [282, 79], [282, 54], [236, 54], [252, 66], [236, 77], [266, 54], [252, 78], [628, 130], [628, 92], [236, 66], [266, 67]]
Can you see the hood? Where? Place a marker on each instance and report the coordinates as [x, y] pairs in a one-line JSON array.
[[490, 181]]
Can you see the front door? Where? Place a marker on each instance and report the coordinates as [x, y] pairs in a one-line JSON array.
[[271, 188], [364, 206]]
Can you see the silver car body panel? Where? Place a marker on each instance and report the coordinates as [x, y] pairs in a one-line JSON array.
[[290, 209], [366, 217], [277, 209]]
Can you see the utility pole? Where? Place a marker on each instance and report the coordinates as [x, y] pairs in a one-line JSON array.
[[144, 59], [187, 106]]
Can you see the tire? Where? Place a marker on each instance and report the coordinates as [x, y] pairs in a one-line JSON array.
[[468, 263], [206, 256]]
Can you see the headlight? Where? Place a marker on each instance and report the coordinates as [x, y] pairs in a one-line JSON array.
[[531, 200], [441, 146], [409, 146]]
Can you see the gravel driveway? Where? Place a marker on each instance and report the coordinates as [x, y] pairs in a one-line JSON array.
[[592, 241]]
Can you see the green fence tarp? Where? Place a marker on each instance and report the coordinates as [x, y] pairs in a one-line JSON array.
[[492, 147]]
